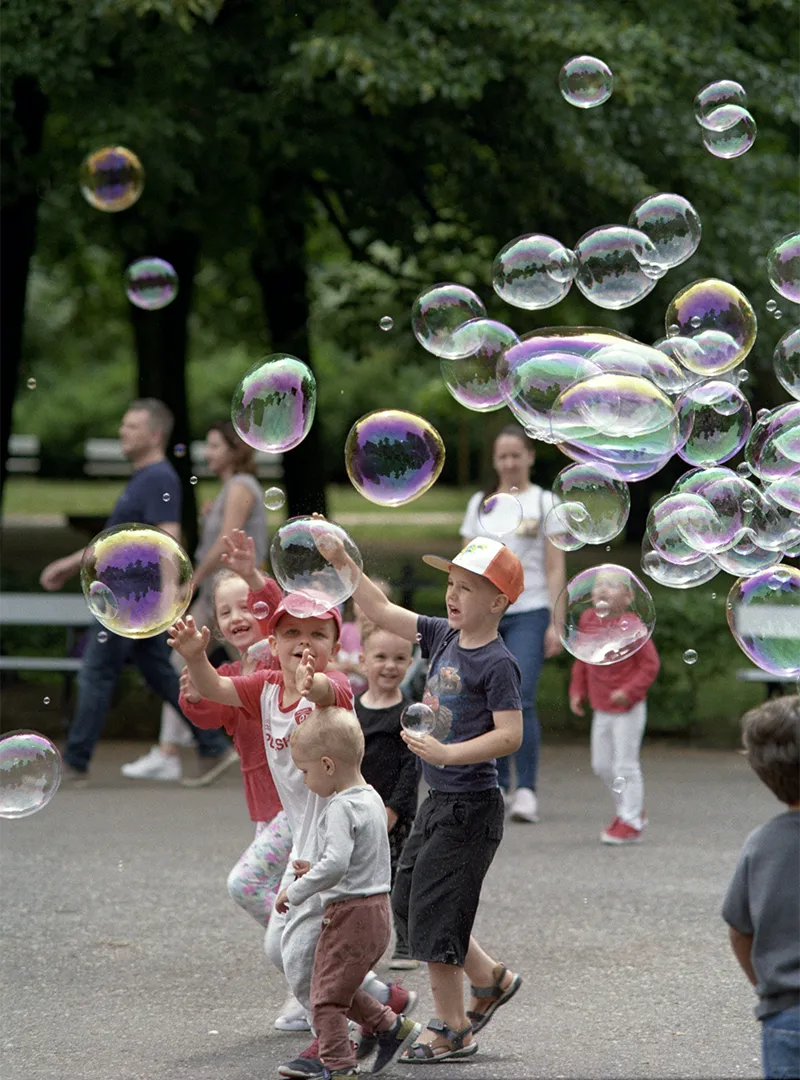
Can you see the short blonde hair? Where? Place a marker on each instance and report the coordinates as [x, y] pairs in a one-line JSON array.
[[331, 732]]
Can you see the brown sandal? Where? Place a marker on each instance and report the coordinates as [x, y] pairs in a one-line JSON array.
[[497, 993]]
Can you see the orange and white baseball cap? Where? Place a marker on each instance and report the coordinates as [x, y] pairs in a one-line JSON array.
[[489, 559]]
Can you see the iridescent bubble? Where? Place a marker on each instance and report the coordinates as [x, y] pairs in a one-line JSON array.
[[715, 94], [386, 322], [729, 131], [261, 610], [438, 312], [301, 568], [499, 514], [31, 383], [743, 469], [151, 284], [690, 657], [473, 380], [646, 362], [675, 575], [392, 457], [111, 179], [773, 448], [786, 492], [418, 719], [672, 225], [274, 498], [626, 627], [763, 613], [683, 526], [607, 501], [273, 406], [102, 637], [30, 772], [746, 558], [533, 271], [727, 329], [585, 82], [617, 266], [783, 267], [179, 450], [558, 526], [715, 421], [771, 305], [137, 579]]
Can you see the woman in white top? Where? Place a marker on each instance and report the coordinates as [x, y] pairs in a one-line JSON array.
[[527, 626], [238, 505]]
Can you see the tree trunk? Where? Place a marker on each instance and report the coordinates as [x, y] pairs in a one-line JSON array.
[[162, 339], [279, 266], [18, 231]]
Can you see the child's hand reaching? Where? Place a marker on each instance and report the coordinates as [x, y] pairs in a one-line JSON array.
[[576, 705], [188, 688], [282, 902], [240, 556], [330, 547], [304, 675], [300, 867], [187, 640]]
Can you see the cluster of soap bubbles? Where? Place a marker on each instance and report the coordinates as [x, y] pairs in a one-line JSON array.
[[727, 127], [30, 772]]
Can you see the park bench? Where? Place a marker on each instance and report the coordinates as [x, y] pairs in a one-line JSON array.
[[104, 458], [774, 684], [23, 454]]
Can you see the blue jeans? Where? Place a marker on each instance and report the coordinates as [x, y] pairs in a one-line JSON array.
[[524, 637], [780, 1045], [102, 663]]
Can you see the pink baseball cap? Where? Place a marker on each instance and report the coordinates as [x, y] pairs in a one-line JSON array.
[[297, 603], [489, 559]]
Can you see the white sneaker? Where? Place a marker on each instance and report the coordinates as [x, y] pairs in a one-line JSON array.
[[525, 806], [156, 765], [293, 1017]]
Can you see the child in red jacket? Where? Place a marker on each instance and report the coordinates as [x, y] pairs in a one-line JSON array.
[[617, 694]]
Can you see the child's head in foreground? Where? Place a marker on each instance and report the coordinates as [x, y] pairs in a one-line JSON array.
[[771, 737], [290, 635], [235, 622], [385, 658], [484, 579], [611, 592], [328, 749]]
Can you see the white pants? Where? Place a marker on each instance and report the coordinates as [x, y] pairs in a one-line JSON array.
[[616, 739]]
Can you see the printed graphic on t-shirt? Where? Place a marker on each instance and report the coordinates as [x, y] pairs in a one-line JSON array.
[[435, 688]]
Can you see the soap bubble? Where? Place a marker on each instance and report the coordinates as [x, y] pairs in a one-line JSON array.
[[533, 271], [729, 131], [386, 322], [111, 179], [777, 314], [30, 772], [619, 634], [763, 613], [31, 383], [179, 450], [193, 481], [617, 266], [585, 82], [681, 526], [301, 569], [716, 94], [151, 284], [274, 498], [607, 501], [499, 514], [675, 575], [102, 637], [771, 306], [715, 420], [137, 579], [559, 526], [783, 267], [727, 329], [786, 492], [472, 380], [46, 701], [165, 497], [618, 784], [743, 469], [439, 311], [672, 225], [418, 719], [633, 358], [393, 457], [531, 381], [273, 406], [690, 657], [773, 448]]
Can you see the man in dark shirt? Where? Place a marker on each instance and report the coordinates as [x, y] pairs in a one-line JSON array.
[[151, 497]]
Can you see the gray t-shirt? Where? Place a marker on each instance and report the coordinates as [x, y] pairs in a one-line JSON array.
[[464, 687], [351, 850], [255, 526], [763, 899]]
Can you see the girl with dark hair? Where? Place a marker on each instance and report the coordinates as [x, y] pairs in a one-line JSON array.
[[527, 626]]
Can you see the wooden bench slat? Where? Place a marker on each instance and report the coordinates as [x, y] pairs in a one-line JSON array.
[[43, 609], [40, 663]]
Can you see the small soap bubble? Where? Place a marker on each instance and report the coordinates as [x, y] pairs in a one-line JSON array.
[[585, 82], [726, 331], [151, 284], [165, 497], [179, 450], [500, 514], [762, 413], [690, 657], [771, 305], [783, 267], [418, 719], [743, 469], [299, 556], [673, 330], [274, 404], [102, 637], [618, 784], [392, 457], [729, 131], [602, 608], [671, 223], [748, 506], [193, 480], [713, 596], [30, 772], [111, 179], [45, 700], [473, 378], [418, 638], [386, 322], [514, 490], [742, 375], [777, 314], [31, 384], [261, 610], [274, 498]]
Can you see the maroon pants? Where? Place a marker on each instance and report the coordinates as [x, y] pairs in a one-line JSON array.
[[355, 934]]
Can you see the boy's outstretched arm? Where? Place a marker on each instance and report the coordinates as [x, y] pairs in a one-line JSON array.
[[191, 643]]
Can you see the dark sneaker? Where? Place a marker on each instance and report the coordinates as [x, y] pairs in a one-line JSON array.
[[213, 768], [369, 1040], [305, 1064], [393, 1042]]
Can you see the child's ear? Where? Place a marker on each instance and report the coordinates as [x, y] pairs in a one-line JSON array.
[[273, 644], [335, 650], [328, 764]]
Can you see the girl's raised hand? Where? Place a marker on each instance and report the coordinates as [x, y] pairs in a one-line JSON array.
[[240, 553], [186, 639]]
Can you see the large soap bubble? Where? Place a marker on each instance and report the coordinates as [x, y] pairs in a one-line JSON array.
[[609, 615], [716, 94], [786, 362], [763, 613], [605, 499], [393, 457], [644, 361], [30, 772], [717, 317], [151, 284], [274, 404], [499, 514], [111, 179], [773, 448], [533, 271], [729, 131], [715, 420], [473, 380], [672, 225], [438, 312], [137, 579], [617, 266], [311, 583], [585, 82], [783, 267]]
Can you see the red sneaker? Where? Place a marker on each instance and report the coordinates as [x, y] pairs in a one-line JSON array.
[[619, 832], [401, 1001]]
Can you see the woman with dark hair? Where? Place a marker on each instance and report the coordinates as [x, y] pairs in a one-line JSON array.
[[237, 506], [527, 626]]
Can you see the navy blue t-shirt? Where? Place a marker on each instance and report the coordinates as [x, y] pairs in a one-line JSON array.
[[143, 498], [464, 687]]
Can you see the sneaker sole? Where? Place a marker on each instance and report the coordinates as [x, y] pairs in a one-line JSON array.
[[614, 842], [291, 1025], [228, 759], [524, 818]]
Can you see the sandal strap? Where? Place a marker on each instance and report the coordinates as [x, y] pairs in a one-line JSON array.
[[455, 1038], [493, 991]]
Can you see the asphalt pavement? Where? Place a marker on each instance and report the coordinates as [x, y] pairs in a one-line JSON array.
[[123, 957]]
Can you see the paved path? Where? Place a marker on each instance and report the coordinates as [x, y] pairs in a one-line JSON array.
[[124, 959]]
